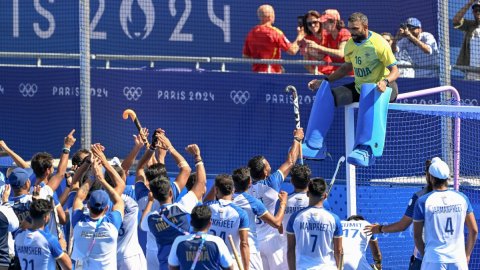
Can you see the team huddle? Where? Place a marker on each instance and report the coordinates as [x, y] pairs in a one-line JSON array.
[[243, 222]]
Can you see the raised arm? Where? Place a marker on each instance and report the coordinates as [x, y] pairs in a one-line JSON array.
[[118, 204], [293, 153], [398, 226], [16, 158], [459, 15], [68, 142], [97, 150], [82, 194], [185, 169], [276, 221], [295, 45], [137, 146], [200, 185]]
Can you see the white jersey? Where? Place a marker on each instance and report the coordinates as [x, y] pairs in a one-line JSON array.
[[103, 233], [355, 243], [37, 249], [228, 219], [314, 229], [254, 209], [443, 214], [128, 245], [296, 201], [266, 191]]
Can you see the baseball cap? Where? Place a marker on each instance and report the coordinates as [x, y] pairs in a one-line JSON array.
[[115, 161], [98, 200], [19, 177], [476, 4], [439, 169], [414, 22], [330, 14]]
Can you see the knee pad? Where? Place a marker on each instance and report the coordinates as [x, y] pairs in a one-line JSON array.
[[372, 118], [321, 118]]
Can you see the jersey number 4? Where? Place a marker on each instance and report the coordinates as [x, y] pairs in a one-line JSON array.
[[449, 226]]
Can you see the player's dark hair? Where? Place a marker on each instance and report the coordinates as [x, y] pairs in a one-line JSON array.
[[201, 216], [429, 178], [160, 187], [358, 17], [256, 166], [241, 179], [39, 208], [155, 170], [96, 211], [224, 183], [355, 217], [300, 176], [120, 172], [315, 14], [192, 179], [40, 163], [79, 156], [317, 187]]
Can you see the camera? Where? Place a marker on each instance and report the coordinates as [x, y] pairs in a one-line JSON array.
[[403, 25], [301, 21]]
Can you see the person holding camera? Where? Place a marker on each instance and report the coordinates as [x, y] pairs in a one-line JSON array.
[[417, 46]]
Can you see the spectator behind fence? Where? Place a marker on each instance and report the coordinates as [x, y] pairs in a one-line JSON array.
[[418, 47], [470, 51], [389, 38], [265, 41], [335, 37], [313, 33]]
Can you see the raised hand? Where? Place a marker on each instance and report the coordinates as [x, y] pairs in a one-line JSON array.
[[69, 141], [193, 149], [97, 150]]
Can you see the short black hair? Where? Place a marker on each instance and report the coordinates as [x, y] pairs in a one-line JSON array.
[[39, 208], [155, 170], [160, 187], [241, 179], [256, 166], [358, 16], [192, 179], [120, 172], [300, 176], [355, 217], [77, 157], [224, 183], [200, 217], [317, 187], [40, 163]]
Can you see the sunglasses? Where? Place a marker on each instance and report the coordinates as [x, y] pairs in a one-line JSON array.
[[312, 23], [330, 21], [476, 10]]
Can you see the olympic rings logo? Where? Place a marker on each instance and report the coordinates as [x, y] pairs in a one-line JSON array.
[[239, 97], [28, 89], [132, 93]]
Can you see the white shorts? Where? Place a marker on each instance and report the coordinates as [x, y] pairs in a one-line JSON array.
[[273, 251], [256, 261], [152, 260], [133, 262], [444, 266]]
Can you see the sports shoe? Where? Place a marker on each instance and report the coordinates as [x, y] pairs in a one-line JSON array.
[[361, 156]]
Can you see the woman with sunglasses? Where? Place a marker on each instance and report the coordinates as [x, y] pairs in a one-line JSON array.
[[335, 37], [313, 31]]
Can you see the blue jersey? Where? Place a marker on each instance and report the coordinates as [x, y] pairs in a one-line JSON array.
[[21, 207], [228, 219], [8, 224], [355, 243], [409, 213], [443, 213], [314, 229], [103, 233], [266, 191], [169, 222], [37, 249], [214, 253], [254, 209]]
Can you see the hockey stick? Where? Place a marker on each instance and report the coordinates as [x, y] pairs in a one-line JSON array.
[[130, 113], [57, 220], [235, 252], [296, 111], [340, 267], [340, 161]]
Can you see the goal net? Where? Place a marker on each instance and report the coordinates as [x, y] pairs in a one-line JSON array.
[[415, 133]]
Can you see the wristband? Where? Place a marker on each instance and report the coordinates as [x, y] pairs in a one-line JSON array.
[[182, 164], [386, 81], [198, 163], [380, 228], [66, 150], [297, 139]]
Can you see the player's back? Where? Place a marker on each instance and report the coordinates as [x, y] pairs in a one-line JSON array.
[[128, 244], [444, 215], [355, 243], [296, 201], [267, 192], [254, 209], [37, 249], [228, 219], [314, 229]]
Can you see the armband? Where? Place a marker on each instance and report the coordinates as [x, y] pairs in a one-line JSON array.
[[66, 150]]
